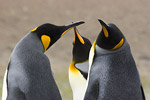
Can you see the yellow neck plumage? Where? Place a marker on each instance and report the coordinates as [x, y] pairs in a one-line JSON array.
[[72, 67]]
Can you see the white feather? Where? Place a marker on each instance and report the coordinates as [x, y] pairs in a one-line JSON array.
[[4, 91], [91, 56], [78, 84]]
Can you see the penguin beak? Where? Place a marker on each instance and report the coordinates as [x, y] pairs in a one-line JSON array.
[[104, 27], [66, 28], [77, 37]]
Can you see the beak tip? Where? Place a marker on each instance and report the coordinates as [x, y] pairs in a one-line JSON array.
[[79, 22], [101, 22], [75, 23]]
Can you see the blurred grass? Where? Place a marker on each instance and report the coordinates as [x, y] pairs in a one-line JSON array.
[[64, 86], [146, 86], [1, 84]]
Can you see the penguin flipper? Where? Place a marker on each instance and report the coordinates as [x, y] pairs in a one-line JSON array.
[[143, 95], [83, 68]]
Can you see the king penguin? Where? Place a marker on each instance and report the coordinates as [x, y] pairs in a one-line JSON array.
[[113, 74], [29, 75], [78, 69]]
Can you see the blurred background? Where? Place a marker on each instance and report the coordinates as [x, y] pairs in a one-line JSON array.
[[18, 17]]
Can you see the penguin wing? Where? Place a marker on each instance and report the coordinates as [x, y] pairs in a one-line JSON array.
[[83, 68], [143, 95]]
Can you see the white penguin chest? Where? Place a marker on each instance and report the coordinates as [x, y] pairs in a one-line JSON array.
[[78, 84]]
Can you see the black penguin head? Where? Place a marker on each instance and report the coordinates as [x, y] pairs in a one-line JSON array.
[[49, 33], [110, 38], [81, 47]]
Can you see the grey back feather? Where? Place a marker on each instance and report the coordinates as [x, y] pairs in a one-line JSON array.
[[114, 76], [29, 74]]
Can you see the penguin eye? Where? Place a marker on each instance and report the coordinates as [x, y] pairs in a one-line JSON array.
[[45, 41]]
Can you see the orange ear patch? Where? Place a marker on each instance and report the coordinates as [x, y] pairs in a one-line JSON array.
[[45, 41], [119, 44]]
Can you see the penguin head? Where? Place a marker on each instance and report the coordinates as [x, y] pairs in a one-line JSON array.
[[110, 38], [81, 47], [50, 33]]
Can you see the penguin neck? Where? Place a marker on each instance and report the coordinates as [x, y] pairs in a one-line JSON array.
[[32, 42], [72, 67], [101, 51]]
